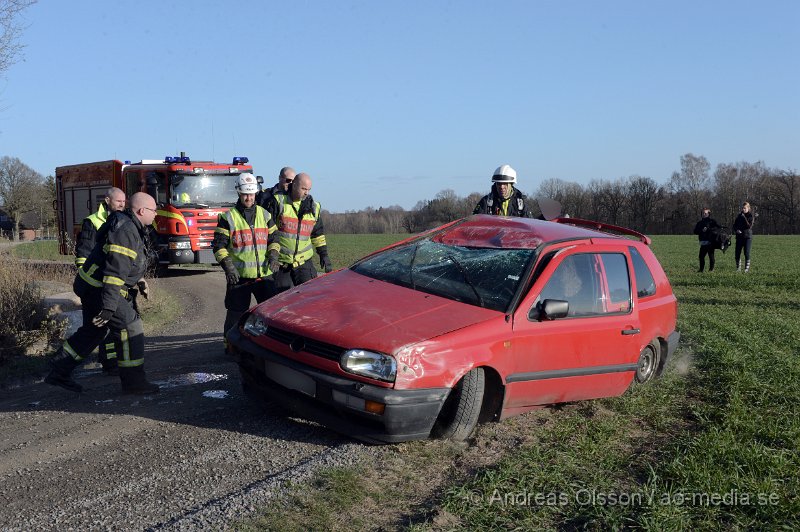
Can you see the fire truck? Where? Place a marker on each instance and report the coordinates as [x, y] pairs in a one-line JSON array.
[[189, 195]]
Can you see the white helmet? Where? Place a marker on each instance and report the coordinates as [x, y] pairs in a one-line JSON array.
[[246, 183], [504, 174]]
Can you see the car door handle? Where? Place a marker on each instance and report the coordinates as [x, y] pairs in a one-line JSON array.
[[630, 331]]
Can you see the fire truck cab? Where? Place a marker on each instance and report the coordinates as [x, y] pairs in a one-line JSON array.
[[189, 194]]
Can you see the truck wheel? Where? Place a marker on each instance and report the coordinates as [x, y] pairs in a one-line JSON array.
[[461, 409], [649, 359]]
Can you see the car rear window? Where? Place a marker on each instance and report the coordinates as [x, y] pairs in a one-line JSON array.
[[484, 277]]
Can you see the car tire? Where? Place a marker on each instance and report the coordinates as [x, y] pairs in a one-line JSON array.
[[459, 414], [649, 359]]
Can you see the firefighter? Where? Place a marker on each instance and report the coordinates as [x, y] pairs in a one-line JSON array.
[[504, 199], [242, 247], [285, 178], [103, 283], [300, 233], [114, 201]]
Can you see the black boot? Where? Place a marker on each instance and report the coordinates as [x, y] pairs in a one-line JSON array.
[[135, 381], [61, 374], [110, 367]]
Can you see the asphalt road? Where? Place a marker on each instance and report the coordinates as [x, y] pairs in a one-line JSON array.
[[198, 454]]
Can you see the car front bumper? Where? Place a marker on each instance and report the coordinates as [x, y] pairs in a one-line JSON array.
[[334, 401]]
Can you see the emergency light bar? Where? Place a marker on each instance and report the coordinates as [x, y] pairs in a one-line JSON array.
[[240, 160], [177, 160]]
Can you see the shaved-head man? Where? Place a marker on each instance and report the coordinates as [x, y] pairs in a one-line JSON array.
[[105, 281]]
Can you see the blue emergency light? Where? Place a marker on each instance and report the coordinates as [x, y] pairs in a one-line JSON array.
[[240, 160], [177, 160]]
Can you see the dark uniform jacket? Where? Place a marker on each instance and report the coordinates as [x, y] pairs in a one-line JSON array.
[[706, 229], [743, 226], [492, 203], [88, 235], [119, 258]]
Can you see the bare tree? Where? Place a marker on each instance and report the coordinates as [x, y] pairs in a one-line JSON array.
[[20, 189], [644, 196], [10, 31], [783, 198]]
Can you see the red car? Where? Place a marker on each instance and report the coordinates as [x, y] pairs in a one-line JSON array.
[[478, 320]]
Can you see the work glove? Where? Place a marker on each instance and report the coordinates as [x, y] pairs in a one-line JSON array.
[[144, 288], [231, 274], [325, 263], [103, 318], [273, 264]]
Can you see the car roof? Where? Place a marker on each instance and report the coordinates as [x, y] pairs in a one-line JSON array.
[[486, 231]]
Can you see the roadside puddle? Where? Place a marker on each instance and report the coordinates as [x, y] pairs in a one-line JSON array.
[[188, 379], [216, 394]]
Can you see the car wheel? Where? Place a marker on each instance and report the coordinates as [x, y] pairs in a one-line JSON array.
[[461, 409], [649, 359]]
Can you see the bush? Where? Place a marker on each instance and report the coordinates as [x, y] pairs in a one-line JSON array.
[[24, 321]]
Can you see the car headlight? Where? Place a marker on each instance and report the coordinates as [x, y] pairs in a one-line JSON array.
[[255, 325], [180, 245], [369, 364]]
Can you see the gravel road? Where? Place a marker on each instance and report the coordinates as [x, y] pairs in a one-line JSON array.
[[197, 455]]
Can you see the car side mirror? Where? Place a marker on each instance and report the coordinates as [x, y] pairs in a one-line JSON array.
[[549, 309]]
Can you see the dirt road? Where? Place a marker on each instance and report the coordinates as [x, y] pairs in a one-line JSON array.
[[197, 454]]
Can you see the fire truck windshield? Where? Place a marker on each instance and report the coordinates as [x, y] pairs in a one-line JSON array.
[[204, 190]]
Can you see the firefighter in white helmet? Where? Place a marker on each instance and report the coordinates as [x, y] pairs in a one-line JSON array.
[[242, 246], [504, 199]]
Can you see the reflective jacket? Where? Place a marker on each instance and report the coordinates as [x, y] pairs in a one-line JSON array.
[[88, 235], [493, 203], [245, 243], [119, 260], [300, 229]]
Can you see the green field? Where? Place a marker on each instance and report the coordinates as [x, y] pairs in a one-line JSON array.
[[713, 444]]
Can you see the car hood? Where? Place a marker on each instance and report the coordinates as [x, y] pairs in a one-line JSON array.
[[353, 311]]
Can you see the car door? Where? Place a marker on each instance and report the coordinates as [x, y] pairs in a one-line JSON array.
[[593, 350]]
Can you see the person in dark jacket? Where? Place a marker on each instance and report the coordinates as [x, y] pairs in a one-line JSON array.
[[504, 199], [743, 229], [115, 266], [285, 178], [706, 231], [114, 201]]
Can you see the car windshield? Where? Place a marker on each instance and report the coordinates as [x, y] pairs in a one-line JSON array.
[[484, 277], [204, 190]]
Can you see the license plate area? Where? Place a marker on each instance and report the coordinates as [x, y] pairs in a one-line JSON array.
[[290, 378]]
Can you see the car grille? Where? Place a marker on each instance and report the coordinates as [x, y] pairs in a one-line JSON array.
[[297, 342]]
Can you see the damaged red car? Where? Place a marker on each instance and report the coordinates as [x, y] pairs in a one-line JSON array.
[[477, 320]]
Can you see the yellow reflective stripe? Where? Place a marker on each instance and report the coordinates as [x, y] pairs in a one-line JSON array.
[[72, 353], [168, 214], [274, 246], [79, 261], [221, 254], [123, 292], [89, 279], [272, 228], [126, 361], [318, 241], [222, 231], [108, 279], [122, 250]]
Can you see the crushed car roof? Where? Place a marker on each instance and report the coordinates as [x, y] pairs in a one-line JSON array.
[[485, 231]]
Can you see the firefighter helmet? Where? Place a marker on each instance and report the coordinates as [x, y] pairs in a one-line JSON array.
[[504, 174], [246, 183]]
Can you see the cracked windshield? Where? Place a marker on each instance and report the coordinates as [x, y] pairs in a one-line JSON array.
[[485, 277]]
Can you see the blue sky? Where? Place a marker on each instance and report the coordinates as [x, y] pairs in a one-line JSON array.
[[387, 103]]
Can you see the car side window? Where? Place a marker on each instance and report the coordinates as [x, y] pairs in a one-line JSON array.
[[576, 281], [618, 281], [593, 284], [645, 283]]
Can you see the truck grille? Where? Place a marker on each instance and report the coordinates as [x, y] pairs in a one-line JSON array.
[[297, 342]]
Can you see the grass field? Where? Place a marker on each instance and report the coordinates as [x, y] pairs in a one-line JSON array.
[[713, 444]]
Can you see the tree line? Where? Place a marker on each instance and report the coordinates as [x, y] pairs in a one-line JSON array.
[[637, 202]]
